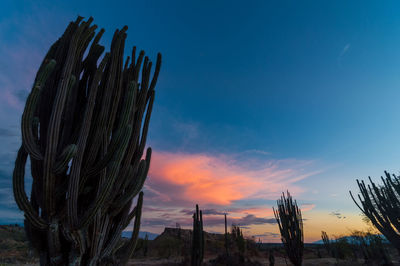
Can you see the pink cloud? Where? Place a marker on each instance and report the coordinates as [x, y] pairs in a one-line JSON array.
[[307, 207], [186, 179]]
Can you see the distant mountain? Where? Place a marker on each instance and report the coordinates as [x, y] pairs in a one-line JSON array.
[[151, 236], [350, 240]]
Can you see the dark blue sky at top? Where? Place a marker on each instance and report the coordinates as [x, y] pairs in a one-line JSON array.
[[311, 80]]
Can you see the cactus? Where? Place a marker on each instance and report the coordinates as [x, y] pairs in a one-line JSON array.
[[197, 238], [327, 242], [289, 219], [381, 204], [84, 128], [226, 237]]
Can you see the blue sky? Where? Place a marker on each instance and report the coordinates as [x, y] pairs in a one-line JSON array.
[[258, 89]]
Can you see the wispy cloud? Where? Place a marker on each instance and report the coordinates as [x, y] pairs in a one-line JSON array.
[[343, 52], [245, 189], [307, 207], [219, 179]]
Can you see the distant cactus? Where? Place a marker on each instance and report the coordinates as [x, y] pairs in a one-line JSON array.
[[226, 237], [327, 242], [84, 128], [290, 224], [197, 238], [381, 204], [237, 236]]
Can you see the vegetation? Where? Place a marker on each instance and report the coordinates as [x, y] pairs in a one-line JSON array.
[[84, 128], [381, 204], [237, 237], [197, 238], [290, 222], [358, 245]]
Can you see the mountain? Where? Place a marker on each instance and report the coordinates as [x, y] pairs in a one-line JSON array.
[[142, 235], [351, 240]]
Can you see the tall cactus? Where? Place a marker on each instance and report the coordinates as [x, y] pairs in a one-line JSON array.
[[197, 238], [84, 128], [381, 204], [290, 222]]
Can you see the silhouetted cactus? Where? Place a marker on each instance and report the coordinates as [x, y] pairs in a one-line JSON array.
[[83, 129], [327, 242], [226, 237], [288, 217], [381, 204], [197, 238], [237, 236]]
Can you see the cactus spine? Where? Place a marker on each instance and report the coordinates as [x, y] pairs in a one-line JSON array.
[[197, 238], [382, 206], [289, 219], [84, 128]]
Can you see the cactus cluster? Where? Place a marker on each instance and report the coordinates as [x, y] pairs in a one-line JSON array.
[[84, 129], [197, 238], [381, 204], [290, 222]]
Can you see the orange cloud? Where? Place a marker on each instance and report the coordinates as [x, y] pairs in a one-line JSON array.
[[307, 207], [220, 180]]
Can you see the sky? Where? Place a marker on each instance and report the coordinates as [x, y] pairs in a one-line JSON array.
[[253, 99]]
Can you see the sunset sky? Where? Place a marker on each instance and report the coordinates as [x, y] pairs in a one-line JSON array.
[[254, 98]]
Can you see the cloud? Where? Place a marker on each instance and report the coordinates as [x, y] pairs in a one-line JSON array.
[[307, 207], [268, 234], [204, 211], [187, 179], [345, 49], [343, 52], [253, 220], [184, 218], [337, 214]]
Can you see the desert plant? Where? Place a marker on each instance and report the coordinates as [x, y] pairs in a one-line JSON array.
[[290, 222], [237, 237], [226, 237], [381, 204], [327, 242], [371, 247], [197, 238], [84, 128]]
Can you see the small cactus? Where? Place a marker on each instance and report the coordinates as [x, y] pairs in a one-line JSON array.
[[197, 238], [290, 222]]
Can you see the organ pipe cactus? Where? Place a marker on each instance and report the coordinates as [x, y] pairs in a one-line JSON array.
[[290, 222], [84, 129], [381, 204], [197, 238]]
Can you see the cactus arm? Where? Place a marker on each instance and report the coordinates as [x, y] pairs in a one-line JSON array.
[[73, 187], [19, 191], [120, 134], [130, 192], [117, 232], [53, 134], [156, 72], [113, 171], [135, 232], [28, 138], [64, 158]]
